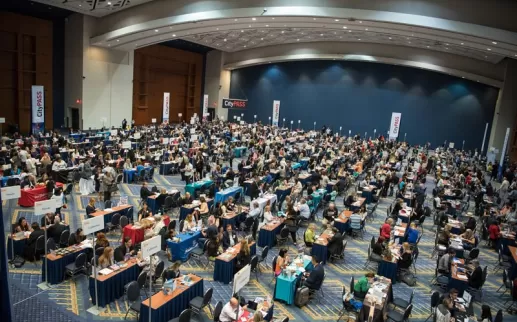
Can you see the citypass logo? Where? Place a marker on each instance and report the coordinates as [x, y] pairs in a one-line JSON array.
[[166, 105], [396, 125], [233, 103], [39, 103]]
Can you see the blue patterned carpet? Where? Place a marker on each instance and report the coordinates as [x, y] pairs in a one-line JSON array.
[[70, 300]]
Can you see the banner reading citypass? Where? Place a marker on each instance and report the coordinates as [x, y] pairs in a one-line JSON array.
[[234, 103], [395, 125], [38, 109]]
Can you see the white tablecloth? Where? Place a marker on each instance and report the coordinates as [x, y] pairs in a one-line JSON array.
[[262, 201], [86, 186]]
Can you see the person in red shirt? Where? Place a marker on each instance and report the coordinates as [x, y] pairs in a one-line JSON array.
[[494, 233], [386, 229]]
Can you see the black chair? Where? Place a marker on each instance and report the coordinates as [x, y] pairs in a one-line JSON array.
[[124, 221], [167, 204], [435, 301], [273, 264], [99, 251], [198, 303], [40, 247], [499, 316], [115, 222], [352, 284], [119, 178], [51, 245], [68, 191], [133, 297], [182, 223], [172, 225], [263, 256], [396, 316], [71, 239], [185, 316], [283, 236], [339, 254], [400, 302], [248, 224], [158, 271], [254, 266], [473, 254], [63, 239], [77, 267], [217, 311], [507, 283], [107, 204], [347, 308], [141, 280]]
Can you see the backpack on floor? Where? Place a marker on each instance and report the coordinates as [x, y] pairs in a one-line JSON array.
[[301, 297], [409, 279], [18, 261]]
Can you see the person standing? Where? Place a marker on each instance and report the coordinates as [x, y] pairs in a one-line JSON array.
[[124, 124]]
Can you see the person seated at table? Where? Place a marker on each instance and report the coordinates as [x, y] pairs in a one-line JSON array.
[[297, 189], [146, 264], [330, 213], [350, 200], [196, 214], [443, 311], [145, 192], [282, 261], [445, 235], [243, 258], [469, 240], [125, 248], [287, 201], [315, 277], [399, 205], [471, 222], [189, 223], [203, 206], [229, 311], [101, 241], [445, 262], [90, 208], [145, 212], [362, 286], [128, 165], [230, 204], [79, 236], [494, 234], [186, 199], [213, 248], [406, 258], [22, 225], [268, 216], [335, 243], [56, 230], [255, 211], [30, 249], [386, 228], [476, 277], [303, 209], [309, 237], [377, 250], [412, 233], [106, 259], [173, 271], [229, 237], [158, 224], [28, 181], [58, 164]]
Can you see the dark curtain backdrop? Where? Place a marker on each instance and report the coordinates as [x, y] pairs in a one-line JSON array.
[[361, 97]]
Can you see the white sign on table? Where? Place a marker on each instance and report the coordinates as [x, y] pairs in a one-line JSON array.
[[114, 132], [151, 246], [92, 225], [44, 207], [13, 192], [241, 278], [136, 135], [165, 141], [126, 145], [153, 121]]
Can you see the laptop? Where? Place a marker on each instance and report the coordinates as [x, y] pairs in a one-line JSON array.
[[465, 300]]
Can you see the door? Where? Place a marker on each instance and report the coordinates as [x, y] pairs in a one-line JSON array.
[[75, 118]]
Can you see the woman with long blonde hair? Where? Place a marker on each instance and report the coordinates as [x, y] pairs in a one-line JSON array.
[[106, 259]]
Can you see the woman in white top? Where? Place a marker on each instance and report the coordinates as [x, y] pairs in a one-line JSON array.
[[189, 223], [159, 224], [128, 165], [268, 216]]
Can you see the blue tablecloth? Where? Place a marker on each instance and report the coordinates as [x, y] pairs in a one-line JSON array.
[[78, 137], [296, 165], [105, 133], [181, 251], [192, 187], [4, 181], [304, 163], [268, 237], [130, 173], [173, 308], [19, 247], [224, 271], [184, 211], [281, 194], [122, 212], [342, 227], [320, 251], [456, 230], [368, 195], [223, 195], [239, 151], [306, 180], [112, 288], [458, 284], [329, 187], [506, 242], [285, 287], [153, 205], [234, 221], [404, 219], [317, 196], [56, 268], [389, 270], [165, 169]]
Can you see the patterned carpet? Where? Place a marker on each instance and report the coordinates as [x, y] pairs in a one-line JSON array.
[[70, 300]]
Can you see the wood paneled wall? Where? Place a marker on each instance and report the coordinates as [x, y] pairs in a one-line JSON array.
[[159, 69], [25, 60]]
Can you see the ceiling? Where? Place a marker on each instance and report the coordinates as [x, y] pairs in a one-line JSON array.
[[34, 9], [96, 8]]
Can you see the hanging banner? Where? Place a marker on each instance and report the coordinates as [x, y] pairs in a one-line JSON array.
[[234, 103], [395, 125], [276, 112], [205, 105], [166, 102], [38, 109]]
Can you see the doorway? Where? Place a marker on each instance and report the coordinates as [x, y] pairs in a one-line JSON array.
[[75, 118]]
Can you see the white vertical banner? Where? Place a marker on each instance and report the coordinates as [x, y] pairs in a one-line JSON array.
[[276, 113], [166, 103], [205, 105], [38, 108], [395, 125]]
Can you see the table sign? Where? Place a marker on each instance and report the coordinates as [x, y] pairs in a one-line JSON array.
[[136, 135], [44, 207], [11, 193], [114, 132], [126, 145], [241, 278], [151, 246], [153, 121], [92, 225]]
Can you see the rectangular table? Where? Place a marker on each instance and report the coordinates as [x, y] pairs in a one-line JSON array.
[[458, 280], [111, 287], [16, 244], [233, 218], [155, 204], [405, 214], [282, 192], [342, 222], [108, 213], [262, 201], [166, 167], [185, 210], [225, 263], [285, 287], [57, 264], [192, 187], [389, 268], [223, 195], [357, 204], [136, 234], [513, 261], [180, 248], [319, 248], [29, 196], [305, 178], [268, 232], [374, 307], [400, 232]]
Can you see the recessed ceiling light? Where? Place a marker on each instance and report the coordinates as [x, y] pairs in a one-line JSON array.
[[313, 18], [389, 38], [321, 34], [269, 62], [493, 42], [409, 42], [253, 18], [285, 25], [446, 44], [366, 29], [235, 19], [350, 31], [336, 19], [109, 3], [297, 39], [447, 48], [358, 38], [109, 45], [216, 28], [360, 21], [249, 26], [486, 56], [344, 27], [224, 39], [515, 55], [273, 18], [461, 44], [156, 30], [244, 46], [428, 47], [118, 40], [80, 5], [342, 37], [488, 49], [283, 31], [267, 25], [136, 44], [261, 38], [412, 34], [173, 35]]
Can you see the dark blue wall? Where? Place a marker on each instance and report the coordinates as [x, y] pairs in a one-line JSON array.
[[58, 72], [361, 96]]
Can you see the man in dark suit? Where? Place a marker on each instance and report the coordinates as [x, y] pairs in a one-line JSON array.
[[125, 248], [229, 237], [315, 277], [30, 249], [55, 230], [335, 244], [145, 192], [254, 189], [476, 277]]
